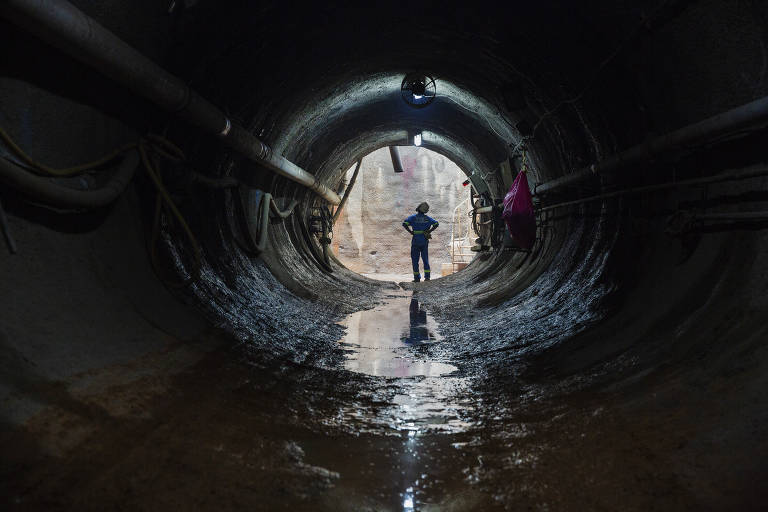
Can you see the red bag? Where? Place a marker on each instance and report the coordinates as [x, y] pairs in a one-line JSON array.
[[518, 213]]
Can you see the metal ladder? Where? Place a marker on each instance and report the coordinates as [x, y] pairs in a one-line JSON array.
[[461, 238]]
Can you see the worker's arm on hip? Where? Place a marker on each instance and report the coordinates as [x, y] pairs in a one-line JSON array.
[[407, 227], [433, 225]]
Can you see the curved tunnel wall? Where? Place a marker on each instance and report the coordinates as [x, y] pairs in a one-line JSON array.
[[605, 293]]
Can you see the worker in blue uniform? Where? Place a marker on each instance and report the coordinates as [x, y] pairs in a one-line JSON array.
[[419, 225]]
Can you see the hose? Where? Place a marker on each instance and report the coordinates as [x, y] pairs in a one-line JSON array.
[[347, 191], [52, 194], [149, 147], [7, 231], [319, 259], [263, 208], [163, 200], [41, 188], [284, 213], [268, 204], [226, 182], [263, 221]]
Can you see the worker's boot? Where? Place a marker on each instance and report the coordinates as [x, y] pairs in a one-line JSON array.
[[416, 278]]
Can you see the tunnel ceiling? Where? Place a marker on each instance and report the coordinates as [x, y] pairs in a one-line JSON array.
[[312, 79]]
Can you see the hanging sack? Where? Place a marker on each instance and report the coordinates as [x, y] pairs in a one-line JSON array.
[[518, 212]]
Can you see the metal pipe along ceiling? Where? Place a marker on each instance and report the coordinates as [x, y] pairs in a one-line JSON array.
[[739, 118], [66, 27]]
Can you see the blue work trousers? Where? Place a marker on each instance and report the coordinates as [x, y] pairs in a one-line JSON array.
[[423, 251]]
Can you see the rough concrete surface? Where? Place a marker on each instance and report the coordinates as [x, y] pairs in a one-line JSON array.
[[619, 365]]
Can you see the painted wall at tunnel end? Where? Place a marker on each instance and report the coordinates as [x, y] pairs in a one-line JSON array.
[[369, 237]]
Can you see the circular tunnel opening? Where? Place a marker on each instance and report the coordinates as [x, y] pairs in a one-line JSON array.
[[619, 363], [368, 234]]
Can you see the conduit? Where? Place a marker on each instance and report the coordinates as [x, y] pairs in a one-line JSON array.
[[347, 191], [394, 154], [81, 37], [746, 116]]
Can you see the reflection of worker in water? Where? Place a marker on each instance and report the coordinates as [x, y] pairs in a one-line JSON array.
[[418, 331], [419, 225]]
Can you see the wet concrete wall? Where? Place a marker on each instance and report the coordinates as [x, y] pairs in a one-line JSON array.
[[622, 366]]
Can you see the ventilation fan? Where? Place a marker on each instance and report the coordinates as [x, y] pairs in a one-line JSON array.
[[418, 89]]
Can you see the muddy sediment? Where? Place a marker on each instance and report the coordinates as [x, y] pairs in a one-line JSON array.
[[240, 429]]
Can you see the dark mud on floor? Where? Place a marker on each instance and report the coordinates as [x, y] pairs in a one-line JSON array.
[[237, 431], [244, 430]]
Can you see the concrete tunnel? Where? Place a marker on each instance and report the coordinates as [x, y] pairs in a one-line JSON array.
[[176, 347]]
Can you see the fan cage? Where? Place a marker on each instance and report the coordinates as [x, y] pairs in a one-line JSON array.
[[418, 90]]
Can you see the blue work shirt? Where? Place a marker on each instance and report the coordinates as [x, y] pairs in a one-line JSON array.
[[419, 223]]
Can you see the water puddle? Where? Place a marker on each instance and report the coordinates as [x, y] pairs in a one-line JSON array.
[[381, 340], [388, 341], [414, 410]]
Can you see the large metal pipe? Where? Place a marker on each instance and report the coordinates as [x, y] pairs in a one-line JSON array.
[[394, 154], [80, 36], [734, 120], [754, 171], [346, 192]]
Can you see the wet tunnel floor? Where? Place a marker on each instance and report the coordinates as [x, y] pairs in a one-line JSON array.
[[390, 341], [429, 399], [387, 429]]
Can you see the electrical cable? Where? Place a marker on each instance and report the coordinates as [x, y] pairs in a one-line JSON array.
[[51, 194], [69, 171], [7, 231], [56, 195], [163, 199], [347, 191]]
